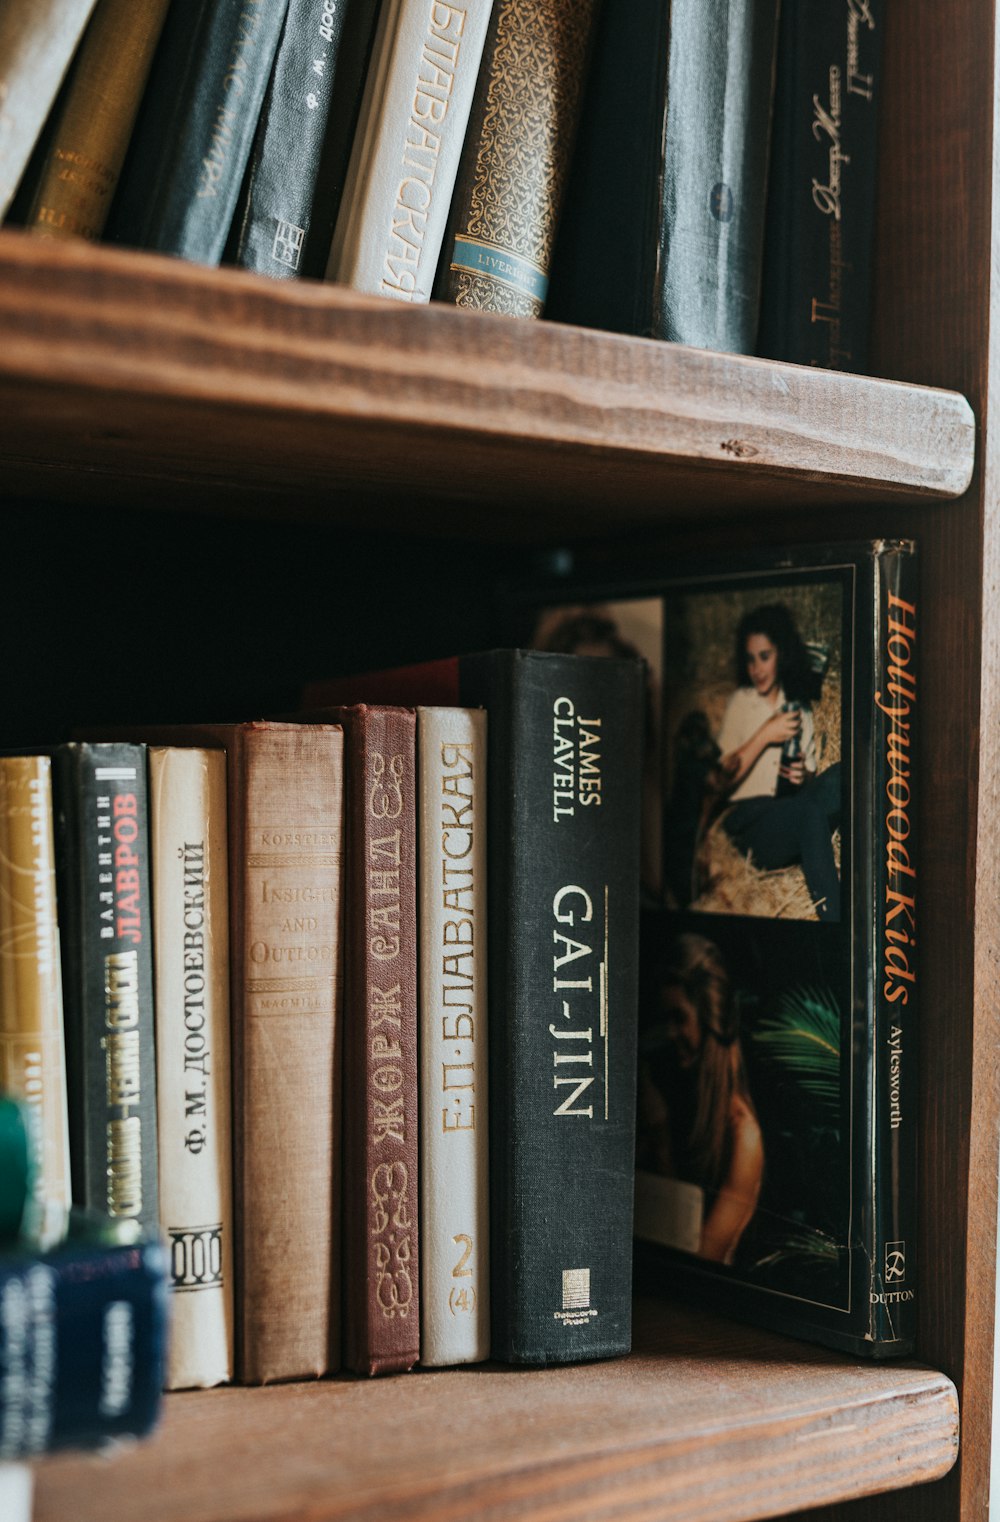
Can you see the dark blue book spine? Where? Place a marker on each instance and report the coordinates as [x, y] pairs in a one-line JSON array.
[[815, 307], [273, 219], [565, 752], [102, 875], [83, 1336], [192, 140]]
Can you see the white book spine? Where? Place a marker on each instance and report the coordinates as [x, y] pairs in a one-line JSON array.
[[405, 161], [191, 937], [454, 1162], [37, 41]]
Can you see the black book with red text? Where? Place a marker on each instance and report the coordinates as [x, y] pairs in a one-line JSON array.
[[562, 853], [776, 1105], [106, 930]]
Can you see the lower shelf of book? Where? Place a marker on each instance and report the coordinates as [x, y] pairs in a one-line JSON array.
[[705, 1420]]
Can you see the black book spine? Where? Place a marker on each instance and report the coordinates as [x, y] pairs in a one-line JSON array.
[[102, 867], [182, 175], [83, 1336], [563, 829], [313, 66], [716, 132], [815, 307], [889, 1210]]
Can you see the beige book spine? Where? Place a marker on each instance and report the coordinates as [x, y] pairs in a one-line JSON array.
[[193, 1071], [406, 156], [286, 1010], [37, 42], [454, 1123], [95, 119], [32, 1055]]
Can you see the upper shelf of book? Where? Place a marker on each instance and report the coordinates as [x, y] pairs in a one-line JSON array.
[[132, 377]]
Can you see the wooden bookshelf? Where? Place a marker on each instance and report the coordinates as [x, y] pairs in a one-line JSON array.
[[123, 377], [707, 1421], [316, 474]]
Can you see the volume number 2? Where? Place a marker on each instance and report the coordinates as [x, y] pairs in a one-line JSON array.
[[463, 1299]]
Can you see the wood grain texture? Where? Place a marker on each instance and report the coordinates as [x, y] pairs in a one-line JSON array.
[[117, 365], [705, 1422]]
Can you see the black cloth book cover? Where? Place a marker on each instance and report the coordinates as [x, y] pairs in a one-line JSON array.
[[663, 228], [305, 123], [777, 1099], [102, 881], [815, 304], [184, 168], [563, 816]]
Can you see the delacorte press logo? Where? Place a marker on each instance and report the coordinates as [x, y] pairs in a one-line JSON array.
[[576, 1307]]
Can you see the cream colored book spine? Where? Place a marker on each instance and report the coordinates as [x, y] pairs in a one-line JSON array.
[[37, 41], [454, 1163], [32, 1050], [408, 147], [191, 920]]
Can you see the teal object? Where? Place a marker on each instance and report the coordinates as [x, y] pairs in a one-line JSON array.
[[15, 1168]]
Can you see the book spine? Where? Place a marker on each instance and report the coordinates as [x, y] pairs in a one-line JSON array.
[[102, 859], [454, 1150], [37, 41], [94, 120], [191, 928], [286, 822], [182, 175], [388, 239], [717, 122], [511, 182], [381, 1200], [83, 1332], [893, 1226], [821, 198], [276, 205], [32, 1055], [563, 811]]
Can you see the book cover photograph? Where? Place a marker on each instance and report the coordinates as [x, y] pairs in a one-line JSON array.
[[778, 982]]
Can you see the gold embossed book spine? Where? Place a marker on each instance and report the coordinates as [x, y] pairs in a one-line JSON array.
[[94, 120], [505, 212]]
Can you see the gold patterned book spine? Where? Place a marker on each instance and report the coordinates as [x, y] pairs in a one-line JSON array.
[[95, 119], [32, 1059], [517, 152]]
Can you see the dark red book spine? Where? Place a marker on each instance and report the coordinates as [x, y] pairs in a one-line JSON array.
[[381, 1263]]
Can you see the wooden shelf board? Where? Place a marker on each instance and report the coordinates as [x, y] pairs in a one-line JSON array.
[[707, 1421], [128, 375]]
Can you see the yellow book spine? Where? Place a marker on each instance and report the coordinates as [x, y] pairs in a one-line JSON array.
[[32, 1058], [95, 120]]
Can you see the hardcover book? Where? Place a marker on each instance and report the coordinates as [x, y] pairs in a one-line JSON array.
[[83, 1338], [775, 1162], [663, 229], [93, 120], [821, 198], [406, 153], [285, 820], [293, 174], [102, 874], [192, 137], [454, 1116], [381, 1231], [520, 139], [32, 1047], [187, 787], [37, 41], [563, 813]]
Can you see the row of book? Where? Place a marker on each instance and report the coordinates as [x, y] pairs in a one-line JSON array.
[[697, 171], [247, 1000]]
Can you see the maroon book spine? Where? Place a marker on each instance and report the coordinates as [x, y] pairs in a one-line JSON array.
[[381, 1264]]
